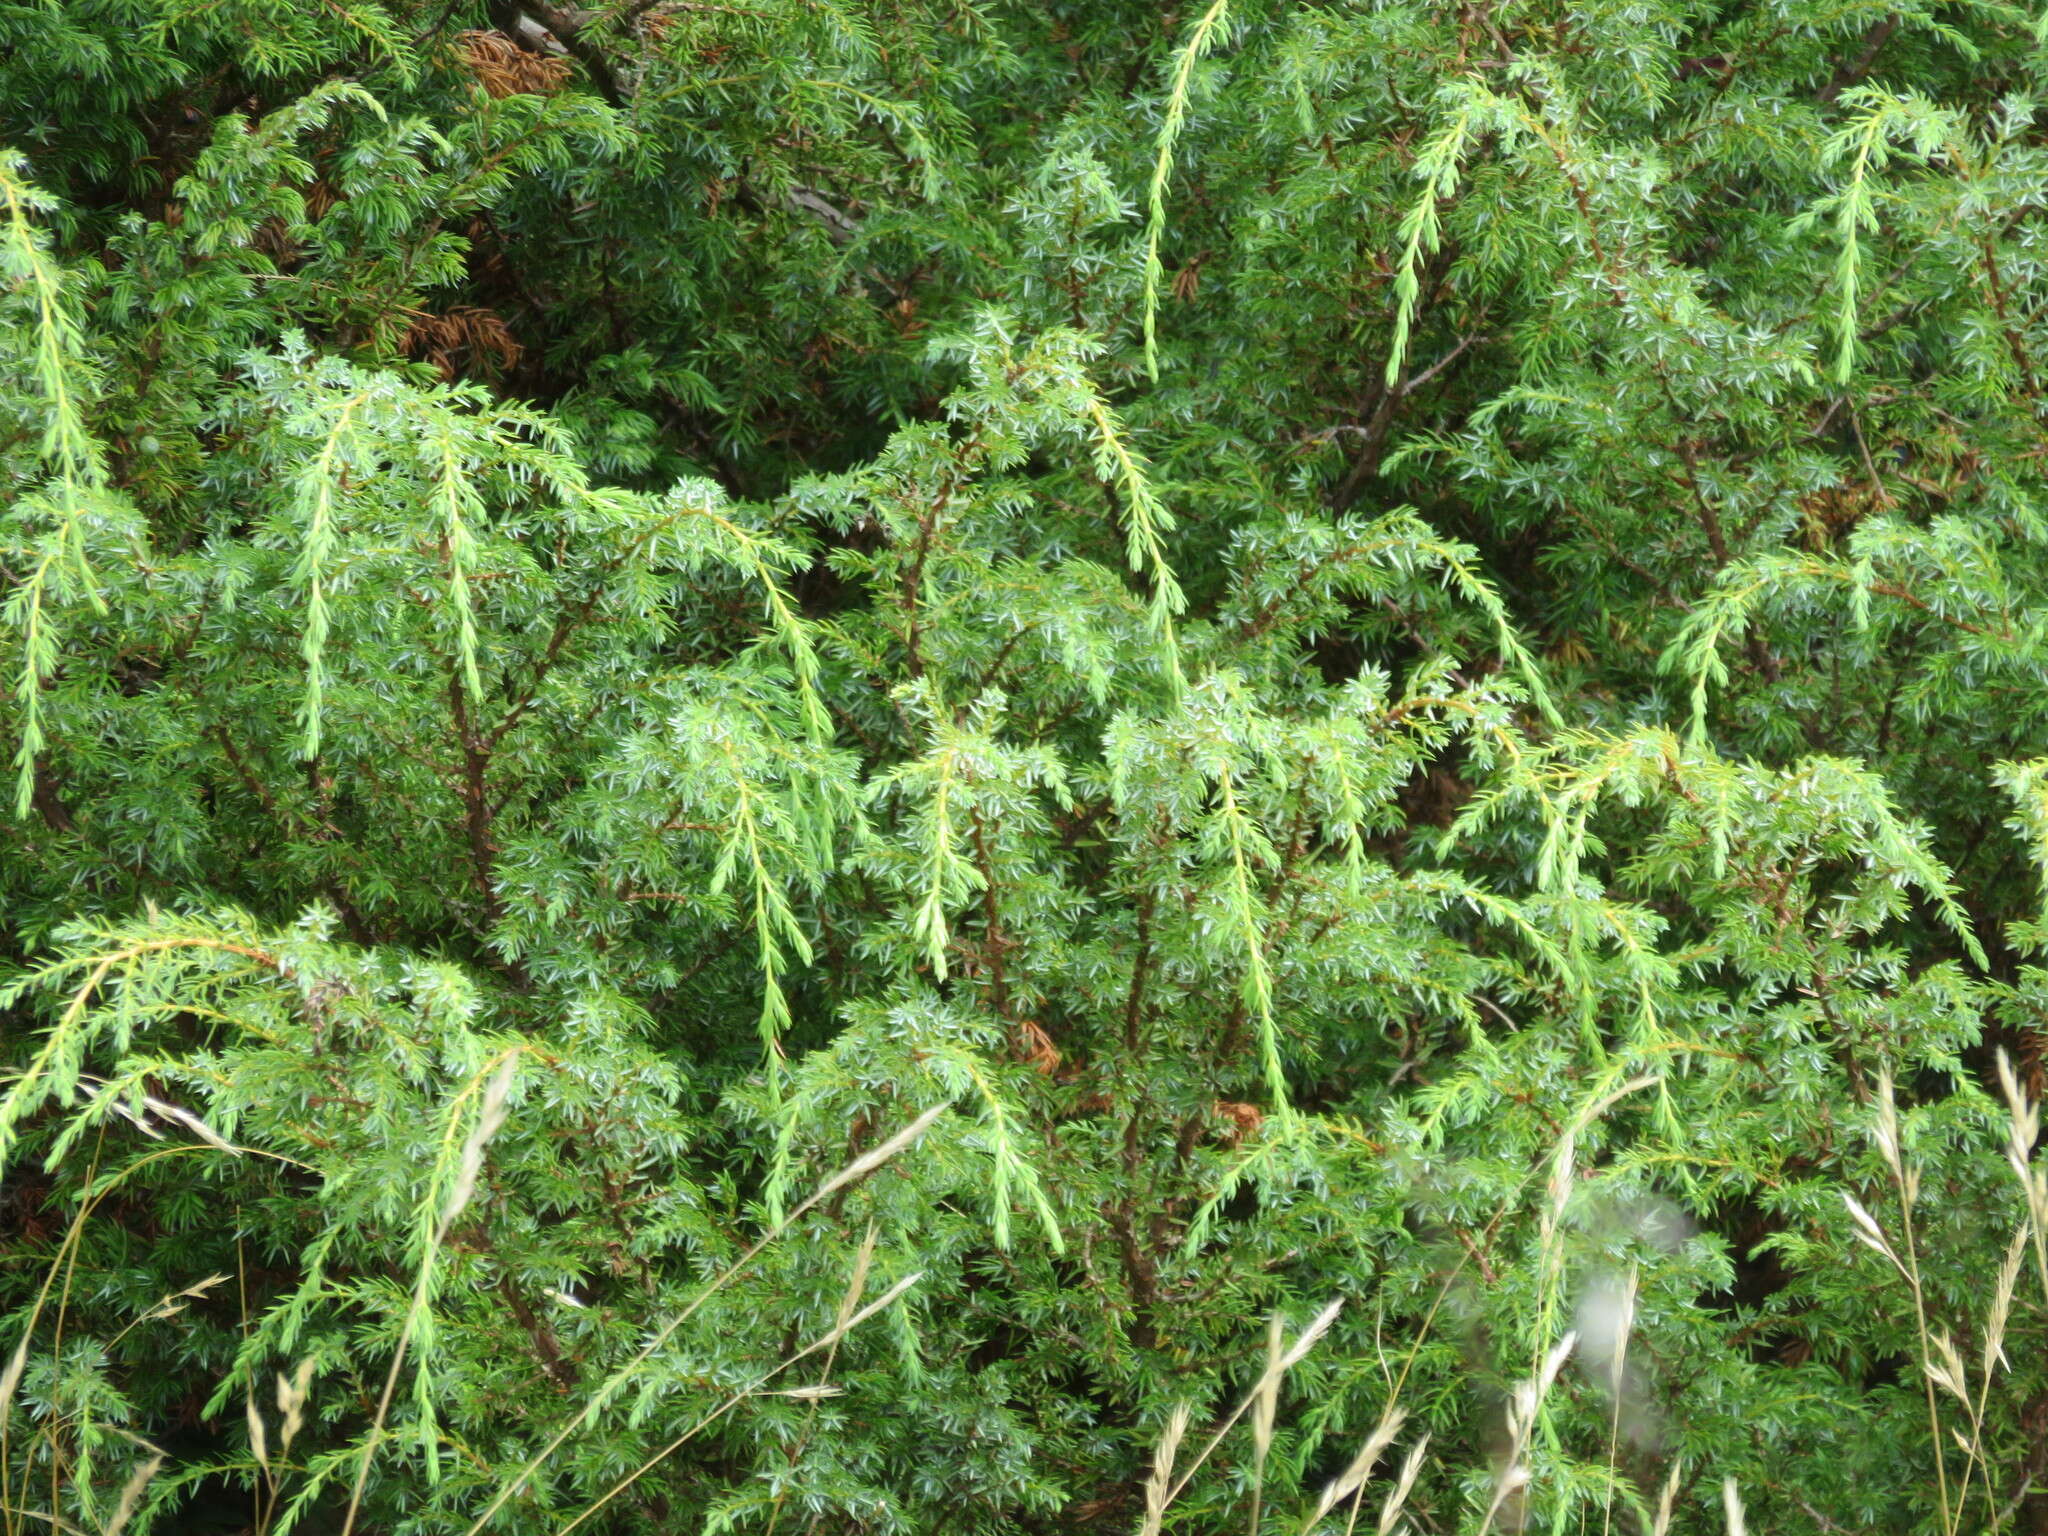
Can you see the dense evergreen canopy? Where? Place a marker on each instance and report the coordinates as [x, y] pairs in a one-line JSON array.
[[951, 766]]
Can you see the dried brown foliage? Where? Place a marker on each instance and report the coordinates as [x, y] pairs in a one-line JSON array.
[[1241, 1120], [464, 339], [1035, 1049], [504, 68]]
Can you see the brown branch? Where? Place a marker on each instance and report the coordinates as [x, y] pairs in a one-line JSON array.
[[988, 674], [565, 625], [561, 1371], [1141, 969], [48, 802], [1996, 282], [569, 34], [1760, 655], [994, 943], [474, 793], [1853, 70], [1887, 589]]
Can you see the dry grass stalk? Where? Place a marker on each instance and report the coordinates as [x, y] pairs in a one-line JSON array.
[[1523, 1408], [847, 1324], [1352, 1479], [1265, 1410], [490, 1119], [131, 1494], [856, 1285], [1157, 1494], [1623, 1324], [1993, 1356], [2001, 1304], [169, 1306], [869, 1161], [1410, 1470], [1906, 1181], [163, 1109], [859, 1168], [291, 1403], [259, 1440], [827, 1341], [492, 1109], [1303, 1343], [11, 1377], [2022, 1134], [1666, 1502], [1869, 1233], [1731, 1507]]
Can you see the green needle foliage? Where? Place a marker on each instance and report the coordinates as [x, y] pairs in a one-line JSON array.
[[950, 768]]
